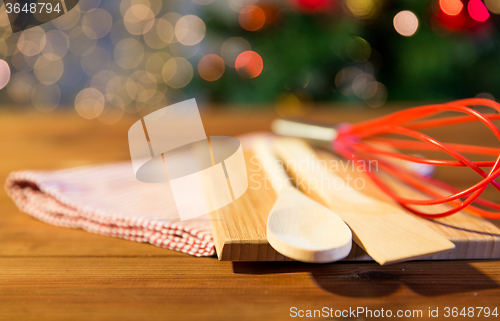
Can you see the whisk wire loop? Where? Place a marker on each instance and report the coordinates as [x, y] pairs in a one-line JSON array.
[[355, 142]]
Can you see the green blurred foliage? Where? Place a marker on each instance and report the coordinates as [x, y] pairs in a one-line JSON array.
[[311, 49]]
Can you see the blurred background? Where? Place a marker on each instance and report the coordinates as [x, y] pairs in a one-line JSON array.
[[109, 58]]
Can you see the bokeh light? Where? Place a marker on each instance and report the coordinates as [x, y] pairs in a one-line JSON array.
[[57, 44], [406, 23], [32, 41], [145, 55], [232, 48], [116, 86], [165, 30], [177, 72], [67, 20], [315, 6], [153, 36], [89, 103], [375, 94], [138, 19], [4, 73], [113, 110], [345, 78], [128, 53], [88, 5], [154, 64], [131, 87], [20, 86], [358, 49], [23, 63], [126, 4], [359, 85], [48, 69], [363, 9], [249, 64], [451, 7], [237, 5], [486, 96], [5, 32], [190, 30], [97, 23], [211, 67], [353, 81], [172, 18], [101, 79], [155, 6], [478, 10], [493, 6], [141, 86], [145, 65], [252, 18]]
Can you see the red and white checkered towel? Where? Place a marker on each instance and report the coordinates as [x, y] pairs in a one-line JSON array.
[[108, 200]]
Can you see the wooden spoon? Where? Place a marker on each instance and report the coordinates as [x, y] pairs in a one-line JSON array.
[[299, 227], [381, 227]]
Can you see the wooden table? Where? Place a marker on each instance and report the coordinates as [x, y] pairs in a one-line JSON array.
[[54, 273]]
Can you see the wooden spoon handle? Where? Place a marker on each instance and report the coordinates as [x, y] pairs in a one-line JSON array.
[[385, 231], [299, 227]]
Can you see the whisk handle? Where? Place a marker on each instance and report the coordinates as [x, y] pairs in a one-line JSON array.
[[320, 136]]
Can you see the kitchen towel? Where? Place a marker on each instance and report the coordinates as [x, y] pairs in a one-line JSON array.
[[108, 200]]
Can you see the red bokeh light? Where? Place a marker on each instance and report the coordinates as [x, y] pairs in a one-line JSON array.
[[451, 7], [462, 22], [478, 10], [315, 6], [252, 18], [211, 67], [249, 64]]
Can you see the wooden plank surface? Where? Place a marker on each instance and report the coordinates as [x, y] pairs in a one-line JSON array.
[[54, 273], [240, 228]]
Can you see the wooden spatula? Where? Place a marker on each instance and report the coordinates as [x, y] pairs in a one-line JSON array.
[[386, 232], [299, 227]]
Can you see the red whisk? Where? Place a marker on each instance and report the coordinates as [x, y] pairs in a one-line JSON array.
[[354, 142]]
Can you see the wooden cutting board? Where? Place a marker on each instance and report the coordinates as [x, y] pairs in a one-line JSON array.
[[239, 229]]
